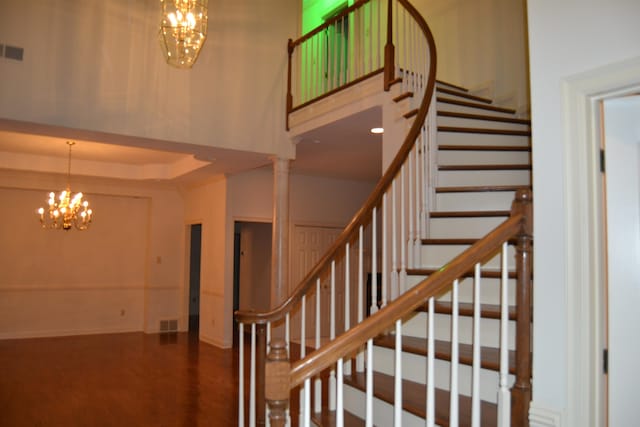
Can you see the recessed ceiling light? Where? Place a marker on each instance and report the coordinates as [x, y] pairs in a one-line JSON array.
[[377, 130]]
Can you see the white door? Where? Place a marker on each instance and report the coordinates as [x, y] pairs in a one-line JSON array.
[[622, 176], [309, 245]]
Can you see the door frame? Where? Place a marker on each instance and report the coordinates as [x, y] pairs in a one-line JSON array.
[[585, 246]]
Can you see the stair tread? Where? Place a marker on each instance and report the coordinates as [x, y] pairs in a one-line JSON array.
[[464, 95], [487, 311], [403, 96], [479, 188], [410, 114], [449, 241], [475, 105], [484, 117], [484, 167], [451, 85], [327, 418], [414, 398], [489, 356], [487, 274], [468, 214], [460, 129], [450, 147]]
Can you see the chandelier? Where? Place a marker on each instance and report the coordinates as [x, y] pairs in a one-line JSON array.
[[65, 211], [183, 30]]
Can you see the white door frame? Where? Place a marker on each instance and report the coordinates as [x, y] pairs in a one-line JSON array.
[[582, 97]]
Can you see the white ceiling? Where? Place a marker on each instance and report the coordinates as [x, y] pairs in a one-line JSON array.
[[343, 149]]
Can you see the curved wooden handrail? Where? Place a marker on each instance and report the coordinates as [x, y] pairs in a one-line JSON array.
[[362, 216], [434, 285]]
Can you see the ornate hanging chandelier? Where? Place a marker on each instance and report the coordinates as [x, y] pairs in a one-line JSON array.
[[66, 211], [183, 30]]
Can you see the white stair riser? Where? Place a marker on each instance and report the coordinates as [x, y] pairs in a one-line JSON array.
[[468, 157], [414, 368], [488, 200], [354, 402], [489, 290], [483, 177], [460, 97], [445, 106], [462, 227], [435, 256], [489, 329], [480, 123], [461, 138]]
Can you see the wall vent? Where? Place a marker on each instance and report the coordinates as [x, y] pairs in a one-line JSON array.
[[13, 52], [170, 325]]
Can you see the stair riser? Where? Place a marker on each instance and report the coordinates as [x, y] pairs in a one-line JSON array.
[[489, 329], [414, 368], [462, 227], [460, 138], [466, 157], [354, 402], [483, 177], [479, 123], [445, 106], [494, 200], [435, 256], [490, 290]]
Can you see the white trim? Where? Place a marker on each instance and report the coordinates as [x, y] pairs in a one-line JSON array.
[[215, 341], [582, 95], [66, 333], [544, 417]]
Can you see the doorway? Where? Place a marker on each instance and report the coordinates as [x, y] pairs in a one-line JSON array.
[[195, 253], [251, 268], [621, 161]]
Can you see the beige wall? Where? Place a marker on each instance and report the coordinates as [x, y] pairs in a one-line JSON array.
[[123, 274], [97, 65], [482, 45]]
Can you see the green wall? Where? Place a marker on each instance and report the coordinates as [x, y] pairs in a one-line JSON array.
[[314, 10]]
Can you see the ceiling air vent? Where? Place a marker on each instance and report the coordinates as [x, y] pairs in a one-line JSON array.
[[13, 52]]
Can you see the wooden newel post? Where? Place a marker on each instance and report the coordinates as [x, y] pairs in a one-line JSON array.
[[521, 391], [277, 383], [389, 50], [261, 351]]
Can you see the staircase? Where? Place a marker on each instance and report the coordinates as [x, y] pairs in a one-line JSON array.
[[483, 159], [445, 337]]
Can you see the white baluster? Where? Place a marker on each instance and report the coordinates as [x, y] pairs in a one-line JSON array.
[[504, 396], [385, 265], [425, 184], [332, 336], [453, 398], [397, 395], [252, 379], [410, 238], [287, 333], [240, 374], [340, 397], [266, 407], [475, 394], [303, 353], [369, 386], [395, 287], [307, 403], [347, 295], [431, 400], [403, 235], [374, 263], [318, 382], [417, 244], [360, 356]]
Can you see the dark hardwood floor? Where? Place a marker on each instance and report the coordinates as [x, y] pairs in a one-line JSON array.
[[131, 379]]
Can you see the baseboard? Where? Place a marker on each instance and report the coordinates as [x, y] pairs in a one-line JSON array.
[[215, 342], [64, 333], [544, 417]]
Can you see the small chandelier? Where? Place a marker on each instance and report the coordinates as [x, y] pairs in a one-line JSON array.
[[66, 211], [183, 30]]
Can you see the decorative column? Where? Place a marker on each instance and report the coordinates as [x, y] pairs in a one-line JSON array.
[[280, 237]]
